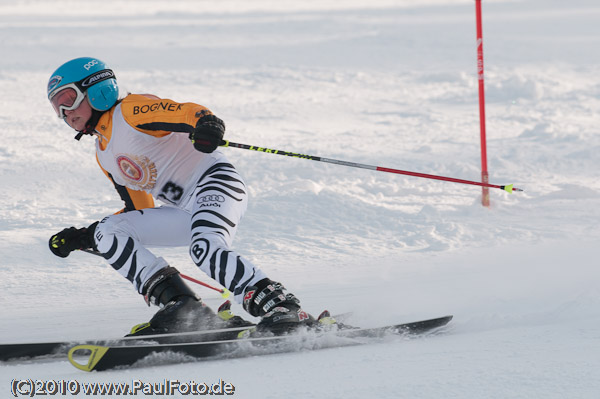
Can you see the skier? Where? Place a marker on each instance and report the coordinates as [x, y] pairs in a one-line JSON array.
[[141, 149]]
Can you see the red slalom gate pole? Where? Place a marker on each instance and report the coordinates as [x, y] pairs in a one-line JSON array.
[[485, 192]]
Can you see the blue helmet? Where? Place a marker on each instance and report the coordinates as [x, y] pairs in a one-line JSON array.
[[88, 76]]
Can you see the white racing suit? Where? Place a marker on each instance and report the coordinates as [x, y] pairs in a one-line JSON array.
[[143, 147]]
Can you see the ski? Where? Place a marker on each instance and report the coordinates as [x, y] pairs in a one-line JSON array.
[[28, 350], [60, 348], [89, 357]]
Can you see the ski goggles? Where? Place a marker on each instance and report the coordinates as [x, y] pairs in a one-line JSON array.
[[69, 97], [66, 98]]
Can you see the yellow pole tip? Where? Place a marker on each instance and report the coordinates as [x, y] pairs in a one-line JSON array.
[[509, 188]]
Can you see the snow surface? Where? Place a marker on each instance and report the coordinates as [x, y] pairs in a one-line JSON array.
[[382, 82]]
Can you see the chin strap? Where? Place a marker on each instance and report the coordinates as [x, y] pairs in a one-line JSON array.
[[90, 126], [79, 135]]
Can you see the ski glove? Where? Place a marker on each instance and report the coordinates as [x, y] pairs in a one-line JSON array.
[[71, 239], [208, 134]]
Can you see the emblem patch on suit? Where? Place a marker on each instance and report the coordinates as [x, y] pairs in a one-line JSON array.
[[137, 170]]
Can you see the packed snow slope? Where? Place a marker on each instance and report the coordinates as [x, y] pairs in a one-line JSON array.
[[382, 82]]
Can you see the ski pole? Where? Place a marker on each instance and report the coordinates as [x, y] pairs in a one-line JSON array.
[[226, 143], [223, 291]]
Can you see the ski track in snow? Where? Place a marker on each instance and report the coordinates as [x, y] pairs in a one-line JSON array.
[[386, 83]]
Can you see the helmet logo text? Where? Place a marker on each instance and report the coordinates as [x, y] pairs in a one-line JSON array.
[[90, 64], [54, 81], [98, 77]]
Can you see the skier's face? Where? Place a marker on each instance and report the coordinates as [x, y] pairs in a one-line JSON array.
[[78, 117]]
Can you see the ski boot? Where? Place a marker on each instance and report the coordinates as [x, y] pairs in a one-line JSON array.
[[181, 310], [280, 312]]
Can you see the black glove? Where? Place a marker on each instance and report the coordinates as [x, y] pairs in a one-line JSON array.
[[68, 240], [208, 134]]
